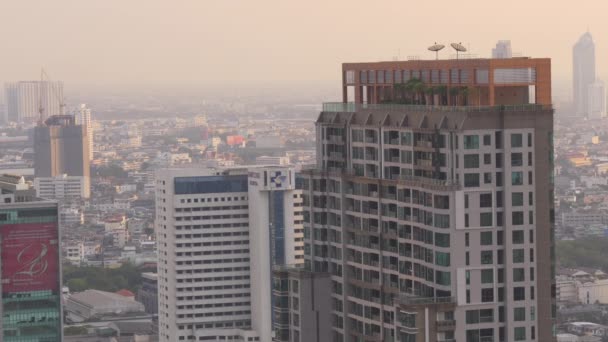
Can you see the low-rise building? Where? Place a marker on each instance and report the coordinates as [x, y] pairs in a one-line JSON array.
[[95, 304]]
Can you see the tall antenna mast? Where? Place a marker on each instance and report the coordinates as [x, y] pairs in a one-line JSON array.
[[40, 107]]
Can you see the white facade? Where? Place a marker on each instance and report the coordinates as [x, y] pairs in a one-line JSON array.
[[593, 292], [235, 223], [63, 187], [74, 253], [597, 100], [276, 236], [202, 228], [269, 160]]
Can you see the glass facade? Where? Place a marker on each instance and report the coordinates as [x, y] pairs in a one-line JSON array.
[[210, 184], [31, 282]]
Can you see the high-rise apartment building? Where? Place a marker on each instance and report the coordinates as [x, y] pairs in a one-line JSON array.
[[62, 147], [583, 69], [220, 232], [597, 100], [83, 118], [31, 272], [23, 100], [435, 222], [502, 49]]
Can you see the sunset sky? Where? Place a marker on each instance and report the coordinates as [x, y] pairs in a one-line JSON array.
[[133, 42]]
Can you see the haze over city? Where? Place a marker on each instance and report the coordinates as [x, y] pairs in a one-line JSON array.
[[312, 171], [194, 42]]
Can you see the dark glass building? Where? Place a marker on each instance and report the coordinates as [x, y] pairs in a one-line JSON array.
[[31, 272]]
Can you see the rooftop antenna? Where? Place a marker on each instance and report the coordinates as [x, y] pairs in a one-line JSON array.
[[459, 48], [436, 48], [40, 107]]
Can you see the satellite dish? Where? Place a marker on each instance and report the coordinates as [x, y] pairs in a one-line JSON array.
[[459, 48], [436, 48]]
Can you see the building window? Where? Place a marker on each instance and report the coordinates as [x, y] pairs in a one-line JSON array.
[[471, 161], [519, 293], [517, 159], [519, 274], [517, 178], [519, 314], [471, 180], [485, 200], [516, 140], [485, 219], [486, 238], [517, 218], [487, 140], [487, 276], [519, 334], [487, 295], [471, 142], [487, 257], [517, 199], [518, 236], [518, 255]]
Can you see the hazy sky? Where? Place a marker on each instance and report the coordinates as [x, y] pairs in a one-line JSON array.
[[134, 42]]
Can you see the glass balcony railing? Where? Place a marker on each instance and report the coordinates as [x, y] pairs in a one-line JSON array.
[[351, 107]]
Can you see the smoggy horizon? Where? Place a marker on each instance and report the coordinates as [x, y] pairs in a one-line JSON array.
[[273, 42]]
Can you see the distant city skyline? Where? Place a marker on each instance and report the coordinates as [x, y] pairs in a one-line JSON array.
[[196, 42]]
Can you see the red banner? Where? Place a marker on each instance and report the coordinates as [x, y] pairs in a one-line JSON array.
[[30, 257]]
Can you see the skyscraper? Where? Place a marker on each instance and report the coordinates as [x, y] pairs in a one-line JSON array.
[[435, 222], [583, 69], [220, 232], [83, 118], [61, 147], [23, 100], [502, 49], [597, 100], [31, 272]]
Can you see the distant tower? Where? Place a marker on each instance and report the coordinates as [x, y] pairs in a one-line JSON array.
[[61, 147], [583, 68], [502, 50], [83, 118], [24, 98], [597, 100]]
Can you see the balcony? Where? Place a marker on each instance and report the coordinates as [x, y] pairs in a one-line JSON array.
[[416, 300], [447, 325]]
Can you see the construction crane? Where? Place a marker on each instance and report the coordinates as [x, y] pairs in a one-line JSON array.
[[44, 77]]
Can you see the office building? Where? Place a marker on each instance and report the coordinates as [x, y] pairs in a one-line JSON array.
[[435, 222], [583, 69], [206, 219], [31, 272], [597, 100], [83, 118], [62, 187], [23, 100], [275, 236], [61, 147], [502, 50]]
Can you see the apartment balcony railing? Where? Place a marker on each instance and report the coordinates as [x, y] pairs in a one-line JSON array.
[[351, 107], [416, 300], [446, 325]]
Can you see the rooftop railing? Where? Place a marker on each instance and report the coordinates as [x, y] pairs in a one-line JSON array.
[[352, 107]]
